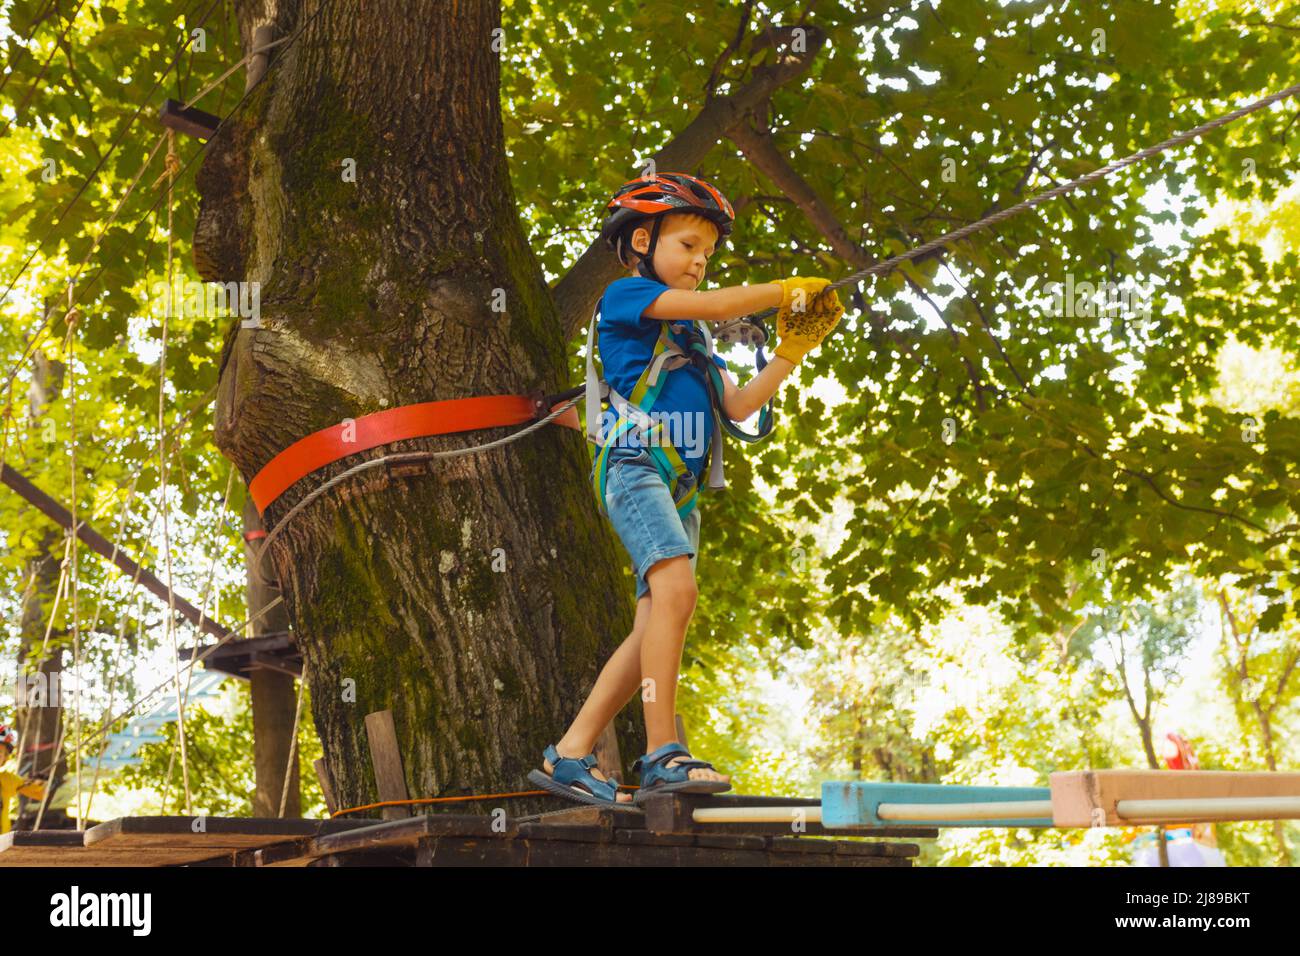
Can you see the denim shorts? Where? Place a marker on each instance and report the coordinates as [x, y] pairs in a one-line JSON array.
[[644, 514]]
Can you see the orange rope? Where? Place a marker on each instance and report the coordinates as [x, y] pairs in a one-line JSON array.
[[485, 796]]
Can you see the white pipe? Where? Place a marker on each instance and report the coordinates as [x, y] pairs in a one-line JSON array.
[[1002, 810], [1180, 810], [807, 813], [1221, 808], [1005, 810]]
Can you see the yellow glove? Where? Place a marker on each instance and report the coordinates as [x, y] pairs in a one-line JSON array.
[[804, 319]]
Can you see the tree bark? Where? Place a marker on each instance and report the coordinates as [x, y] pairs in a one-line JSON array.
[[476, 597]]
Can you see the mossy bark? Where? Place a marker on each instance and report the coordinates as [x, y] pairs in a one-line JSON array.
[[378, 293]]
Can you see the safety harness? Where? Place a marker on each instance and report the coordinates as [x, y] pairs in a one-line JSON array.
[[634, 411]]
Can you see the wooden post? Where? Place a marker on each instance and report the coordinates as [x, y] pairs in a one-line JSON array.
[[608, 759], [273, 694], [681, 731], [382, 733], [326, 784], [257, 65]]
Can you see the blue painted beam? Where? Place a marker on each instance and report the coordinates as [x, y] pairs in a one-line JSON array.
[[854, 803]]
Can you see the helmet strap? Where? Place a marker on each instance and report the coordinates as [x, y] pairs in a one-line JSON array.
[[646, 265]]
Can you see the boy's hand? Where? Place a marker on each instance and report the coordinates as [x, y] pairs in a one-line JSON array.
[[805, 319]]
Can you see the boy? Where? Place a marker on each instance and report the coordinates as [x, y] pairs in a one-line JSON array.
[[670, 223]]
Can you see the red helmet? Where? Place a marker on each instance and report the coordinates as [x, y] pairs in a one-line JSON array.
[[651, 197]]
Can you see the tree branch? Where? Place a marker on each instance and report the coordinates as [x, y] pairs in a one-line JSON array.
[[577, 291]]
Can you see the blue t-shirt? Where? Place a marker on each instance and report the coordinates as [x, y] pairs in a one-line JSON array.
[[627, 342]]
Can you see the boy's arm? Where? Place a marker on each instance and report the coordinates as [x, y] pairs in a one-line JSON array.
[[740, 403], [715, 305]]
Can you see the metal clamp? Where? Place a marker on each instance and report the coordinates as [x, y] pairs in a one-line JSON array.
[[748, 332]]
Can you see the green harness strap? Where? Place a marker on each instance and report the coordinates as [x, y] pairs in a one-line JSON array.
[[662, 453], [700, 350]]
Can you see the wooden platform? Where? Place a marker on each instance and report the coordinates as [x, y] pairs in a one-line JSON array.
[[157, 841], [662, 835]]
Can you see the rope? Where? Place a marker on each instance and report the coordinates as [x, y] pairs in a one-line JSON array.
[[401, 457], [293, 740], [37, 20], [222, 78], [121, 529], [162, 485], [70, 341], [203, 611], [31, 343], [44, 66], [112, 684], [468, 799], [103, 728], [117, 141], [887, 265]]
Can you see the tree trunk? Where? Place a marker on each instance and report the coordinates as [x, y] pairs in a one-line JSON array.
[[476, 597]]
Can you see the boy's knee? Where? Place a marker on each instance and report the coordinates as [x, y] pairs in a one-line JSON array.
[[672, 583]]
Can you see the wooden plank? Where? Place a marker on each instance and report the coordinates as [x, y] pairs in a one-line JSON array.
[[326, 784], [232, 833], [646, 838], [105, 549], [429, 840], [453, 851], [290, 853], [412, 830], [33, 847], [171, 841], [729, 841], [394, 834], [393, 856], [788, 844], [387, 760], [876, 848], [634, 819], [1086, 798], [192, 122], [66, 848], [579, 832]]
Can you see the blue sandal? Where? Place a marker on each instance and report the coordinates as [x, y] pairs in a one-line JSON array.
[[572, 779], [657, 777]]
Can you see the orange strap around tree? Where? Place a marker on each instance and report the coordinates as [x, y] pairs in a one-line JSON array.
[[395, 424]]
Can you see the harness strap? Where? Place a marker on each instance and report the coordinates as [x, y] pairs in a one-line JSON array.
[[634, 413]]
